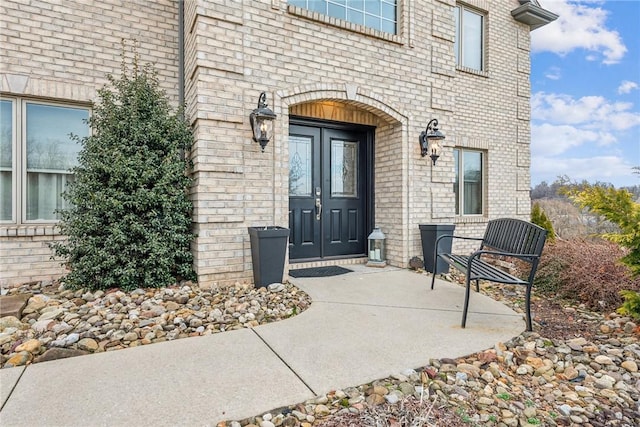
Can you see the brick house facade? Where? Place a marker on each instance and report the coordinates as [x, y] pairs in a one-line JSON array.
[[353, 86]]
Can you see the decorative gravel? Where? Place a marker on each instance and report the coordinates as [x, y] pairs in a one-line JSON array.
[[58, 322]]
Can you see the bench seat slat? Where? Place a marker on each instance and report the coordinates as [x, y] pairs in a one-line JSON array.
[[481, 270]]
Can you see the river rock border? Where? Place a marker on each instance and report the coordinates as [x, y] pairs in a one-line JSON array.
[[58, 322]]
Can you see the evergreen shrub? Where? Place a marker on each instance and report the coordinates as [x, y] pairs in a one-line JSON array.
[[129, 224], [540, 218], [631, 304]]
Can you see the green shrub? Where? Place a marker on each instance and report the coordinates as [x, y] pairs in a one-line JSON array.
[[631, 304], [540, 218], [130, 221]]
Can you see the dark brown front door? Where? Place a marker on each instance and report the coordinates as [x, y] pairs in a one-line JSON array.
[[329, 191]]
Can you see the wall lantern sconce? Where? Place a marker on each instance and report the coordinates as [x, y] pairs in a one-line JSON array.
[[430, 141], [262, 122]]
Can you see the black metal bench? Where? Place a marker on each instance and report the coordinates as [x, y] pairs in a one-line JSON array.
[[504, 237]]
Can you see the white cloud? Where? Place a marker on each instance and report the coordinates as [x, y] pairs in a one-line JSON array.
[[553, 73], [591, 112], [551, 140], [581, 25], [626, 87], [612, 169]]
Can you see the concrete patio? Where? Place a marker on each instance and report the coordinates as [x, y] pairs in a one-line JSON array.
[[361, 326]]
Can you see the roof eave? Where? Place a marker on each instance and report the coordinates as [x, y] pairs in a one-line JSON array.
[[532, 15]]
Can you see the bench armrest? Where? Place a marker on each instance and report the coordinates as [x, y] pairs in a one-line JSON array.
[[453, 236]]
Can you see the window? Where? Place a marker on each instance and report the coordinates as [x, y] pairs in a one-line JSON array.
[[36, 153], [469, 181], [377, 14], [469, 39]]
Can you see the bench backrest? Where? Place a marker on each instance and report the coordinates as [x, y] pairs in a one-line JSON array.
[[515, 236]]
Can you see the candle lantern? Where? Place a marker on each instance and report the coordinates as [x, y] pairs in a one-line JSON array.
[[377, 248]]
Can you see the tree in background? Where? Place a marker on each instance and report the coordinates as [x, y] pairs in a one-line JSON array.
[[130, 221], [567, 218], [557, 189], [546, 191], [539, 217], [618, 207]]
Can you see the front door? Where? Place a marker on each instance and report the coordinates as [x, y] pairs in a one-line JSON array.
[[329, 191]]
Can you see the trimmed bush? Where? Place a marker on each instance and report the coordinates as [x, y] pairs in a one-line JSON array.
[[586, 271], [130, 221]]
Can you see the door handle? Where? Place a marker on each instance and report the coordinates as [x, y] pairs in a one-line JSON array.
[[318, 203], [318, 208]]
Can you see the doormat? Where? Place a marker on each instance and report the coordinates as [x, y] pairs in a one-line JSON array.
[[331, 270]]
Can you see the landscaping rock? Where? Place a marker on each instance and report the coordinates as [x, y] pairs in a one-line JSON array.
[[59, 353], [10, 322], [88, 344], [13, 305], [56, 318], [19, 359], [31, 346]]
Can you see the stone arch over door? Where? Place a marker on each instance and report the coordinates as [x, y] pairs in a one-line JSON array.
[[392, 153]]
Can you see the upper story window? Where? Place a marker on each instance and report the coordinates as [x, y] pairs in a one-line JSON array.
[[36, 153], [469, 39], [380, 15], [469, 181]]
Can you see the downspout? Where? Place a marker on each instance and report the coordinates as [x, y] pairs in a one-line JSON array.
[[181, 52], [181, 63]]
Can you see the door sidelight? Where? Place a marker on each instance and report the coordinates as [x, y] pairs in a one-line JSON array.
[[318, 203]]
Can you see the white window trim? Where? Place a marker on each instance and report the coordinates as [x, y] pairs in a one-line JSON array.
[[19, 156], [483, 43], [14, 160], [350, 26], [483, 178]]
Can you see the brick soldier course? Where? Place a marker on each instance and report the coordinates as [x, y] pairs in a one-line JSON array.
[[310, 65]]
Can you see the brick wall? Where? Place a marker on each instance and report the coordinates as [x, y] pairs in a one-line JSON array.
[[317, 66], [62, 51], [310, 65]]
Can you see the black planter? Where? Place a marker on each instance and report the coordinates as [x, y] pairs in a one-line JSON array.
[[268, 249], [429, 234]]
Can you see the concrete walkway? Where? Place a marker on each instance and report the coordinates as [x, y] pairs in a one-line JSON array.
[[361, 326]]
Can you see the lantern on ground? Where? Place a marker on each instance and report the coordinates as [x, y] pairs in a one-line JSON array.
[[377, 248]]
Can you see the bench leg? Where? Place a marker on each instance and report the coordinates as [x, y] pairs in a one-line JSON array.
[[435, 264], [527, 302], [466, 301], [477, 285]]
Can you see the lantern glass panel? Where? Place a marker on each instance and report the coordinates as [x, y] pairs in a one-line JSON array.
[[376, 249], [263, 129]]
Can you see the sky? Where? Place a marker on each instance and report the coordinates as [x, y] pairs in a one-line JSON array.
[[585, 92]]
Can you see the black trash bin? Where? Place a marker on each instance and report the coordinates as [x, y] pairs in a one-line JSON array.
[[429, 234], [268, 249]]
